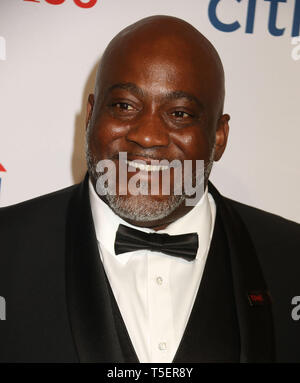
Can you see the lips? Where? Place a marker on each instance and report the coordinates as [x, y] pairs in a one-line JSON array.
[[146, 163], [147, 167]]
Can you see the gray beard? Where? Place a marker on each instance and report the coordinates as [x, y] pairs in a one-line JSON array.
[[141, 208]]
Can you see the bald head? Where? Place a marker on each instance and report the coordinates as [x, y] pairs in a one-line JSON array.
[[162, 39]]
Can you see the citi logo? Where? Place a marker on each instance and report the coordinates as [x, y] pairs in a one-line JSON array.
[[79, 3], [275, 8], [2, 169]]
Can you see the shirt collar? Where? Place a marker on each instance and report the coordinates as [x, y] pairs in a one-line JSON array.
[[199, 220]]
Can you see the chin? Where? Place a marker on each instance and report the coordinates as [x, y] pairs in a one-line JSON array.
[[143, 208]]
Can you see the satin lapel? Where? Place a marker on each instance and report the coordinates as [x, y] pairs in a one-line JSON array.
[[255, 318], [88, 298]]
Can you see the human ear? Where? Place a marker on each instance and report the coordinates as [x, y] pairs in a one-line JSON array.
[[90, 106], [221, 136]]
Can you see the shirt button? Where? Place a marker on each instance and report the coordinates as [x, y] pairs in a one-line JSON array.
[[162, 346], [159, 280]]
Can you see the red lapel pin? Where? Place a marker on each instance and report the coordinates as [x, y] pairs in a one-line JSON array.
[[256, 298]]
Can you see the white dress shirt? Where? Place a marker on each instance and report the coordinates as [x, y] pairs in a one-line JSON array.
[[155, 292]]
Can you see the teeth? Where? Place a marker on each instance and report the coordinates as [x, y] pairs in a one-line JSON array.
[[147, 168]]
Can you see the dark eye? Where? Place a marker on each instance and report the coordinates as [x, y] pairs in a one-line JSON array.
[[122, 106], [181, 114]]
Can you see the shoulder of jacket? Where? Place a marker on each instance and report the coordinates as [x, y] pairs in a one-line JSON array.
[[49, 205], [255, 216]]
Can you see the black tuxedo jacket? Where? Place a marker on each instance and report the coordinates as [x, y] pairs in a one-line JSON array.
[[59, 306]]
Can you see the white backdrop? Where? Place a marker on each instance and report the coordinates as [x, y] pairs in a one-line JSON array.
[[48, 57]]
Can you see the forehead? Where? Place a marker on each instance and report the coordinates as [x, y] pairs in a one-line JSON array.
[[161, 66]]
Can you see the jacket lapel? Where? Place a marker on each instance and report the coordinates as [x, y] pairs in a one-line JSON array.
[[253, 303], [212, 331], [89, 303]]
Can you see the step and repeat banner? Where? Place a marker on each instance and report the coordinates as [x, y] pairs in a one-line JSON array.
[[49, 52]]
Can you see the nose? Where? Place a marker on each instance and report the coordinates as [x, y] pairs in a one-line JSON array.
[[149, 131]]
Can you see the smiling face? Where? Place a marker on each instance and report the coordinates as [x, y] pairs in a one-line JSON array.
[[159, 95]]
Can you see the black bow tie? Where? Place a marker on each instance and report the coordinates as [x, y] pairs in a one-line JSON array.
[[182, 246]]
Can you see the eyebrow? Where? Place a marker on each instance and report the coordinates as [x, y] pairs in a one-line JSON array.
[[181, 94], [133, 88]]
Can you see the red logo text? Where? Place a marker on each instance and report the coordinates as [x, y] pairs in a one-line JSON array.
[[79, 3]]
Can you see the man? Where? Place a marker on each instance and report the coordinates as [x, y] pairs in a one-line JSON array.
[[129, 276]]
